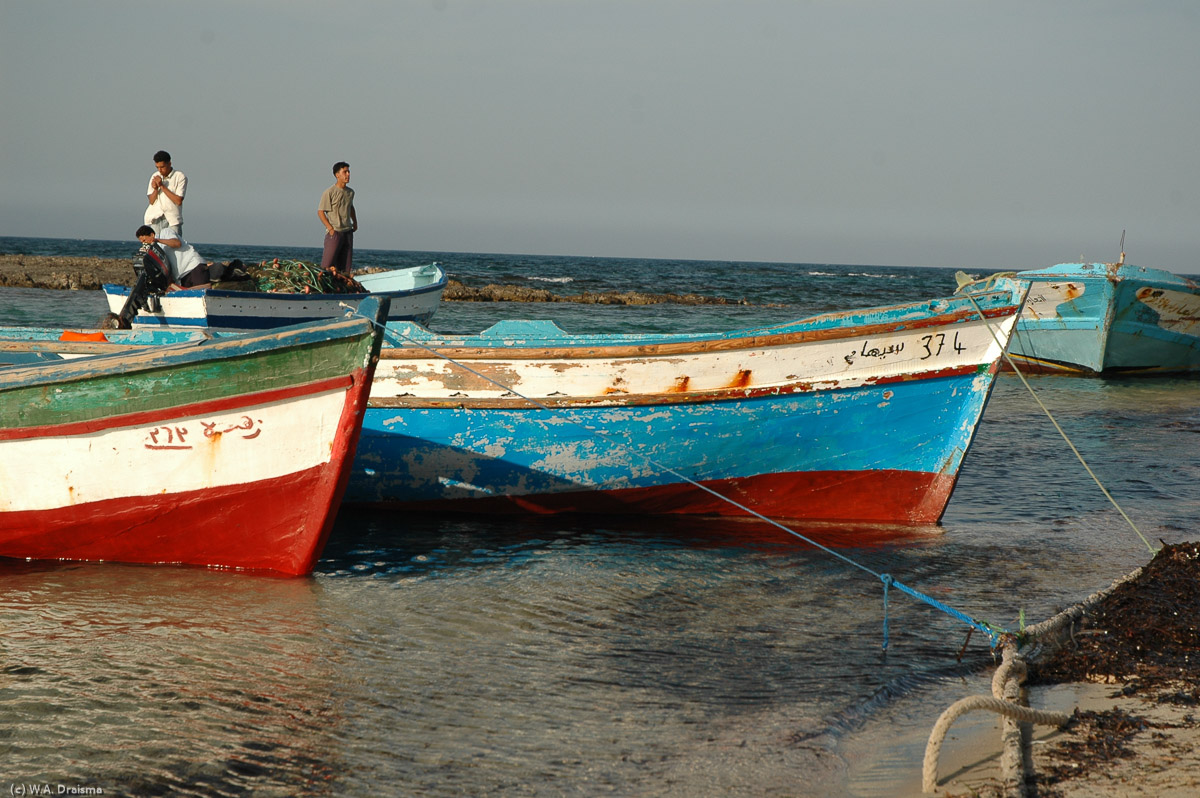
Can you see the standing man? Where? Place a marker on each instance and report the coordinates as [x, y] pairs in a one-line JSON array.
[[165, 195], [336, 212]]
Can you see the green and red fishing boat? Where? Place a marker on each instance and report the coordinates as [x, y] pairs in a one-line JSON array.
[[230, 452]]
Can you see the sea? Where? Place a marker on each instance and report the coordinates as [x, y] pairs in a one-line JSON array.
[[449, 655]]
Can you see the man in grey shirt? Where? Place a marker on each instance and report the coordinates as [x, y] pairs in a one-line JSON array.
[[336, 212]]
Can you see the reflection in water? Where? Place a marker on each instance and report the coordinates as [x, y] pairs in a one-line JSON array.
[[156, 681], [539, 657]]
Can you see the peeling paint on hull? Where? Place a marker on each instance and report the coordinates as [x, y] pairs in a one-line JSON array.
[[846, 455], [859, 416]]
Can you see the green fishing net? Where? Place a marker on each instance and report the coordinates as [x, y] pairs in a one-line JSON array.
[[301, 277]]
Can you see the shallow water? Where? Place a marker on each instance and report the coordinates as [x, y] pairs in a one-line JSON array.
[[578, 656]]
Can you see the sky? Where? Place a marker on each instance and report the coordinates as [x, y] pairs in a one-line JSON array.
[[911, 132]]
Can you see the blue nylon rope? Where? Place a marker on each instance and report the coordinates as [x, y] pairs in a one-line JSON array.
[[887, 582], [992, 633]]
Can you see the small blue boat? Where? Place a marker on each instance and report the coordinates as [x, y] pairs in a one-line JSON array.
[[1107, 318], [415, 294]]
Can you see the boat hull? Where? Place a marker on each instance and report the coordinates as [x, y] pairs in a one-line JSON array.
[[886, 453], [1093, 318], [854, 416], [861, 416], [230, 453]]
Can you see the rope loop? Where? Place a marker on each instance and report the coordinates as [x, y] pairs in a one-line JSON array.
[[887, 582]]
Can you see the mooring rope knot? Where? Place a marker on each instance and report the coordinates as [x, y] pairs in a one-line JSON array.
[[1017, 712], [1006, 684]]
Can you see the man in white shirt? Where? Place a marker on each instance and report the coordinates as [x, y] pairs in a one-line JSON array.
[[165, 195], [188, 269]]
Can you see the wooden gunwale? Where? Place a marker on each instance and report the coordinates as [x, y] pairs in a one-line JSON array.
[[79, 347], [145, 358]]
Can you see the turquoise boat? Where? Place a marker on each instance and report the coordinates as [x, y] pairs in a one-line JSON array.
[[1108, 319], [858, 416]]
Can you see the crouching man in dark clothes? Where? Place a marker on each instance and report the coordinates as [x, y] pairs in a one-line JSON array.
[[188, 269]]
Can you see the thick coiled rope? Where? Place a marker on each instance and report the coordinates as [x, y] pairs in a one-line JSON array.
[[1008, 697], [1005, 700]]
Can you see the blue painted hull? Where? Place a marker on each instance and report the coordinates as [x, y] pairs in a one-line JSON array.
[[884, 453], [862, 415], [1096, 318]]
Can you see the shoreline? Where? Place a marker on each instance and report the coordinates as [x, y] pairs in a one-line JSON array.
[[1128, 673], [59, 272], [1118, 745]]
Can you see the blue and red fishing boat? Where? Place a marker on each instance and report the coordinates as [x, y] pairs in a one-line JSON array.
[[854, 416], [851, 416]]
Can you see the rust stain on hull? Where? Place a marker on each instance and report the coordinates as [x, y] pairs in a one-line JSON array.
[[680, 385], [740, 380]]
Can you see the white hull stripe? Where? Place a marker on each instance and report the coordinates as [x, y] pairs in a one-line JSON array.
[[844, 363], [193, 453]]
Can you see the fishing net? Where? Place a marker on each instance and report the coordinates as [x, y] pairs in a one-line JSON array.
[[282, 276]]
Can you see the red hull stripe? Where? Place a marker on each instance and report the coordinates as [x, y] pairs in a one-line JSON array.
[[278, 524], [886, 497], [1033, 366], [275, 524], [194, 409]]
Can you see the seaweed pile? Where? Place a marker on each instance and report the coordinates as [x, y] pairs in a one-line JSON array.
[[1146, 633], [1097, 738], [283, 276], [1143, 639]]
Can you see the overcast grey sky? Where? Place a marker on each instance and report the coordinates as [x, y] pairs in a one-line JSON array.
[[918, 132]]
